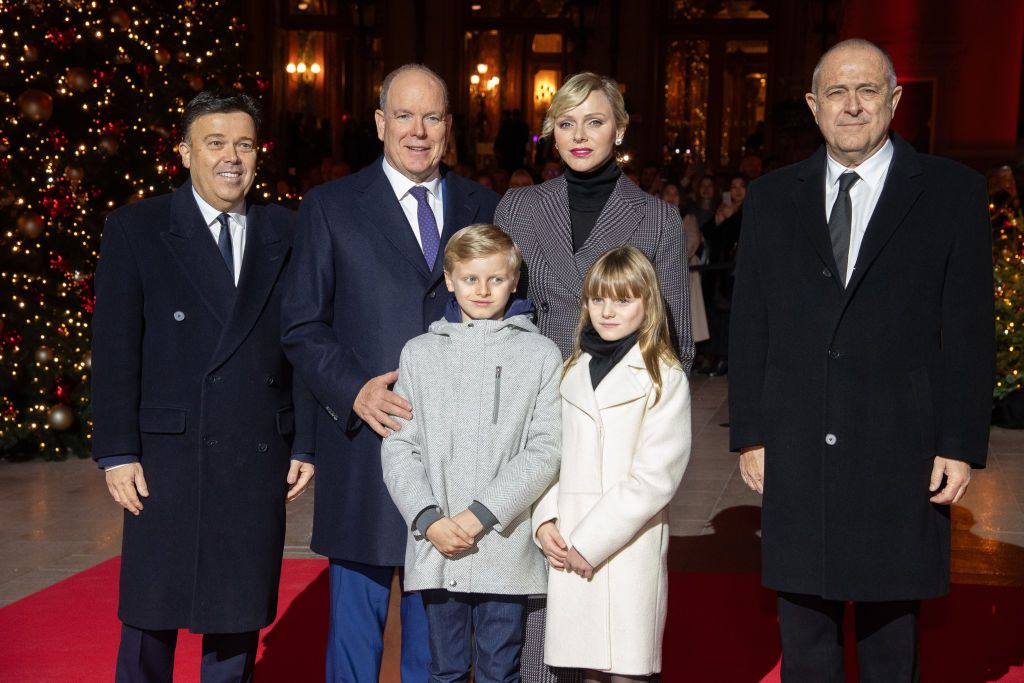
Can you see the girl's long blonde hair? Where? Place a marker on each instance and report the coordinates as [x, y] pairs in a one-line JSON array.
[[625, 272]]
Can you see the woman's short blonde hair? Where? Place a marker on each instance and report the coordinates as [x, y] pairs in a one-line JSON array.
[[479, 241], [578, 88]]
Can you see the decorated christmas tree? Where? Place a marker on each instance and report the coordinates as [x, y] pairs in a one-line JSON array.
[[90, 99], [1008, 273]]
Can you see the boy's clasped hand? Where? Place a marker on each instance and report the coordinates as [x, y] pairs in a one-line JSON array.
[[454, 535]]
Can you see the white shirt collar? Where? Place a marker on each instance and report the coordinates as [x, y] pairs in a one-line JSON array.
[[401, 185], [871, 171], [237, 213]]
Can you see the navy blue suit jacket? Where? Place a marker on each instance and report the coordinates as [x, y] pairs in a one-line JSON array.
[[359, 290]]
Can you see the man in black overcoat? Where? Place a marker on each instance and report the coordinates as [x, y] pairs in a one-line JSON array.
[[368, 277], [196, 425], [861, 366]]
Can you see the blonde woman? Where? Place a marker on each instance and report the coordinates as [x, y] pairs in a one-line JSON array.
[[603, 525], [564, 224]]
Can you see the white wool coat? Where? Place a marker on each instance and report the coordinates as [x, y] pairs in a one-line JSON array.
[[623, 457]]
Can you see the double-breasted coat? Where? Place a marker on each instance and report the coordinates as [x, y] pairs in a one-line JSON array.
[[623, 456], [189, 376], [538, 220], [359, 291], [853, 391]]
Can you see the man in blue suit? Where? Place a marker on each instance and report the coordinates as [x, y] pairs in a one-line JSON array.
[[367, 277]]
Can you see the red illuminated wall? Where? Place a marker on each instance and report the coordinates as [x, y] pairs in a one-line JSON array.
[[970, 50]]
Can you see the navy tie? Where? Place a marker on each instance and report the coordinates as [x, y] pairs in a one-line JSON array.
[[224, 244], [840, 223], [429, 237]]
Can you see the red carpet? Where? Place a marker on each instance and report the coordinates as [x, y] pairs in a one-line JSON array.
[[721, 628]]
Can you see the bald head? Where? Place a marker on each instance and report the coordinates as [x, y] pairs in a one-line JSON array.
[[857, 44]]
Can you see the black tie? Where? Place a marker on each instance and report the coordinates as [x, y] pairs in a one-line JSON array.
[[224, 243], [840, 222]]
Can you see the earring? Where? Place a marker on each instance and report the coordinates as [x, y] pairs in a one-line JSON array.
[[618, 142]]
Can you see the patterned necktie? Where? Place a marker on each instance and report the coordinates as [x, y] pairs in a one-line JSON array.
[[840, 223], [224, 244], [429, 236]]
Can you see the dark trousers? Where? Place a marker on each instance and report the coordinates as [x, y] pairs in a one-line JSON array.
[[355, 637], [147, 656], [494, 624], [812, 640]]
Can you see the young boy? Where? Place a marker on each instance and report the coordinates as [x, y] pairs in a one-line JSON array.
[[482, 445]]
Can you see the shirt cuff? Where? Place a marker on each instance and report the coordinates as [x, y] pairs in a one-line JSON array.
[[303, 457], [111, 461], [485, 516], [427, 516]]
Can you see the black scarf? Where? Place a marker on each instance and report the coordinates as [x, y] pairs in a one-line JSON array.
[[588, 193], [604, 355]]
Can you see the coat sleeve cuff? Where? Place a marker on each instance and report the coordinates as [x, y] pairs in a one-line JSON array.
[[108, 461], [485, 516], [427, 516], [304, 457]]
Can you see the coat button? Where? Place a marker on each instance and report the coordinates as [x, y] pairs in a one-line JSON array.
[[453, 583], [833, 354], [544, 306], [261, 447], [179, 316], [270, 380], [433, 294], [214, 379], [831, 439], [330, 411], [210, 442], [826, 272]]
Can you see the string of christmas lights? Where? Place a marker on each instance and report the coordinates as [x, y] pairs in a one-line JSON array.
[[1008, 275], [90, 99]]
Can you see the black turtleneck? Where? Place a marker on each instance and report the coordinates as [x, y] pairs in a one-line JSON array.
[[588, 193], [604, 355]]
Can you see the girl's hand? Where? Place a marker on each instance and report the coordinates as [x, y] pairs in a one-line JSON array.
[[552, 543], [577, 564]]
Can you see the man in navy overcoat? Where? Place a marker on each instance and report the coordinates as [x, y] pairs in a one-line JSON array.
[[367, 278], [195, 422]]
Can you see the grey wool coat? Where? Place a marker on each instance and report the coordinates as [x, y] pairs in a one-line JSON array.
[[486, 426]]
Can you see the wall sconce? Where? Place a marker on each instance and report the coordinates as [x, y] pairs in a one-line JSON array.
[[307, 72]]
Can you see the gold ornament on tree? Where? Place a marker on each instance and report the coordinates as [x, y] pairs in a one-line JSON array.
[[162, 56], [30, 224], [79, 79], [109, 145], [61, 417], [44, 354], [35, 105]]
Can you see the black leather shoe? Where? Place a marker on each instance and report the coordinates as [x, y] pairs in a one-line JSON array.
[[720, 368]]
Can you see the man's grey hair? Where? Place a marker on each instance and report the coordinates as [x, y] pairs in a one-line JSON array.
[[890, 70], [386, 85]]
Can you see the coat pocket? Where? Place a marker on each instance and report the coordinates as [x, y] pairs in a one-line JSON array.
[[286, 421], [161, 420]]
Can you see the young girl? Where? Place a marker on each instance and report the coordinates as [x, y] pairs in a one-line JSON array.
[[603, 525]]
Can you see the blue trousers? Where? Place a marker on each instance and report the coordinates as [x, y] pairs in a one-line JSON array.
[[496, 624], [147, 656], [355, 638]]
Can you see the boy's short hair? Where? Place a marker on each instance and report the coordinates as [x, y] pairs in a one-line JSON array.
[[478, 241]]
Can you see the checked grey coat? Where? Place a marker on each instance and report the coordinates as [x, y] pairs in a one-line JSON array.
[[537, 219], [486, 426]]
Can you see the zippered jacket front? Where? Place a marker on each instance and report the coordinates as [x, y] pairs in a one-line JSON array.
[[485, 428]]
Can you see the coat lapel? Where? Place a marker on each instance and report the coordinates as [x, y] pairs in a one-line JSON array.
[[460, 209], [902, 188], [809, 198], [193, 248], [618, 221], [577, 390], [382, 211], [627, 381], [554, 234], [261, 264]]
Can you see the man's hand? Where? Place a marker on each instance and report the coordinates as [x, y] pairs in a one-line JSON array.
[[299, 476], [376, 404], [469, 523], [752, 467], [448, 537], [126, 484], [577, 564], [552, 543], [958, 475]]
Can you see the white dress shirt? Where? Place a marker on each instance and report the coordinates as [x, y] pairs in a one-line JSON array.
[[236, 225], [401, 185], [863, 195]]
